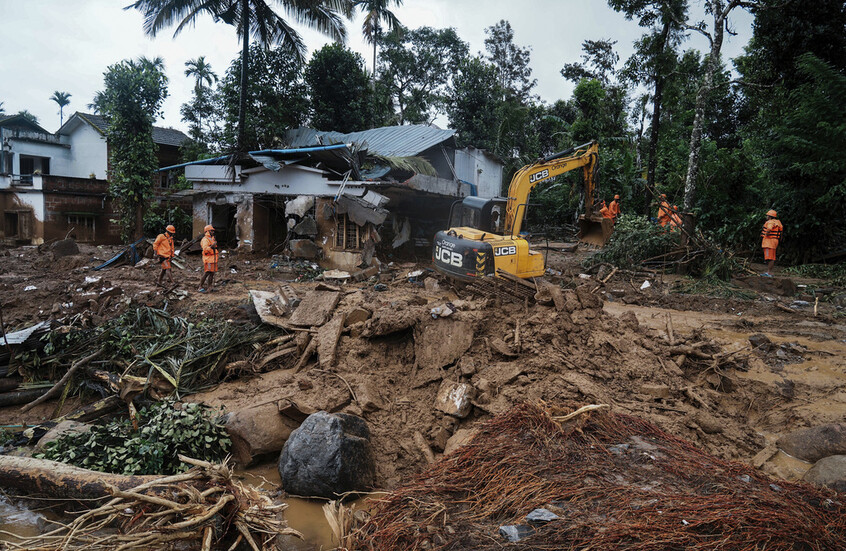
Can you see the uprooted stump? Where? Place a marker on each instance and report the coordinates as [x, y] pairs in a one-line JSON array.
[[615, 482], [203, 507]]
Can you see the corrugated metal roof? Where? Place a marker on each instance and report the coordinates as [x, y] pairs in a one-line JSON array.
[[388, 141]]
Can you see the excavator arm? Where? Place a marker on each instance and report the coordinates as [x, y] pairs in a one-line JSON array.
[[583, 156]]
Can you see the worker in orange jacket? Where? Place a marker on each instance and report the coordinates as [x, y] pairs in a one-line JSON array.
[[164, 250], [210, 258], [770, 235], [614, 207], [664, 217], [675, 219], [606, 212]]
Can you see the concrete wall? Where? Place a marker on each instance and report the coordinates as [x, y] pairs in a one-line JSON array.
[[440, 161], [65, 196], [88, 153], [477, 167], [60, 156], [25, 201], [290, 180]]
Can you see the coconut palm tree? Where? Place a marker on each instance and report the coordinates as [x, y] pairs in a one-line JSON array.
[[62, 98], [201, 71], [252, 19], [375, 12]]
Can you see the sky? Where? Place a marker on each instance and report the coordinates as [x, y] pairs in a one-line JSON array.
[[66, 45]]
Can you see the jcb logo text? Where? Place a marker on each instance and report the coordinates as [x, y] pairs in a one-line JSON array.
[[538, 176], [446, 256], [504, 251]]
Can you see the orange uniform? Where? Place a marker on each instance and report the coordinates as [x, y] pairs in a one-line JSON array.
[[614, 207], [606, 213], [163, 247], [770, 235], [210, 254], [664, 216]]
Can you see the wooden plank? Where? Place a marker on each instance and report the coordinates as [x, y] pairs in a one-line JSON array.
[[327, 341]]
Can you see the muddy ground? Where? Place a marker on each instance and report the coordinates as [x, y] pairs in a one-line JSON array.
[[684, 362]]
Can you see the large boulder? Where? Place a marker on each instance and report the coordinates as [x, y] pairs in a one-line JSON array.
[[257, 431], [328, 455], [814, 443], [64, 247], [829, 471]]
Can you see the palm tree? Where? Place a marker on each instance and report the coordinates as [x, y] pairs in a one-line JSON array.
[[201, 71], [376, 11], [62, 98], [254, 19]]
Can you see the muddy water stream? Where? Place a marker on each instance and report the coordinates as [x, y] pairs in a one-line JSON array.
[[305, 516]]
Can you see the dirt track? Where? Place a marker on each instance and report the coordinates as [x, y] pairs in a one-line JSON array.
[[704, 383]]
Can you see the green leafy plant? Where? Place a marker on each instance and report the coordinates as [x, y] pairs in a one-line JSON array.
[[166, 430], [634, 240], [836, 273]]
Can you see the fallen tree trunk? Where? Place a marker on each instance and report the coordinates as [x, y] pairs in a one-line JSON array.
[[18, 397], [31, 476]]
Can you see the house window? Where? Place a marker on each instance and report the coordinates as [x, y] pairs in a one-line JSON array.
[[82, 227], [17, 224], [348, 234]]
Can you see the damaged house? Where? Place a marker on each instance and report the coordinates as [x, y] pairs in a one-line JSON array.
[[54, 185], [339, 198]]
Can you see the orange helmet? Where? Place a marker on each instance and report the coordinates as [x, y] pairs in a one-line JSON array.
[[772, 213], [663, 196], [208, 228], [170, 228], [616, 197]]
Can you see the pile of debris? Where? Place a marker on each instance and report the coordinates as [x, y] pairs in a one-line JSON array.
[[599, 480]]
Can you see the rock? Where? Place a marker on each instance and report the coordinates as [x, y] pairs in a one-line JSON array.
[[812, 444], [829, 471], [438, 343], [258, 430], [357, 315], [64, 428], [656, 390], [304, 248], [541, 516], [64, 247], [110, 292], [439, 437], [455, 399], [366, 273], [369, 398], [515, 532], [466, 366], [460, 438], [329, 454], [571, 301], [307, 227], [708, 423], [759, 340], [587, 299], [431, 285]]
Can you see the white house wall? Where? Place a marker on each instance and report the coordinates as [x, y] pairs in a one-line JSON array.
[[60, 157], [291, 180], [474, 166], [88, 154]]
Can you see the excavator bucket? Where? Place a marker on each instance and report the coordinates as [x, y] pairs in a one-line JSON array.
[[595, 230]]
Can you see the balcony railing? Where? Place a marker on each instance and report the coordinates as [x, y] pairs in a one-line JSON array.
[[17, 133]]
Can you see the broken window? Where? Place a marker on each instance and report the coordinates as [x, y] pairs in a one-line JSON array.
[[348, 235], [17, 224], [81, 227]]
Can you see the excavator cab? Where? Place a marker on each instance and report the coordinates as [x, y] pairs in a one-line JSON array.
[[484, 214]]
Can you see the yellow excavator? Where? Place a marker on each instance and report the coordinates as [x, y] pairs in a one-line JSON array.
[[484, 234]]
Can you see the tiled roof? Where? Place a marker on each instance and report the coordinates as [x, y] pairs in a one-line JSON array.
[[388, 141], [161, 136]]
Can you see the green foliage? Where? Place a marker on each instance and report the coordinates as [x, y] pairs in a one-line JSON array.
[[416, 68], [835, 273], [510, 61], [166, 430], [200, 111], [277, 98], [339, 89], [7, 437], [130, 102], [711, 287], [160, 215], [634, 240], [28, 116]]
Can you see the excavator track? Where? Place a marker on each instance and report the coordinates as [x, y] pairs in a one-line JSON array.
[[506, 286]]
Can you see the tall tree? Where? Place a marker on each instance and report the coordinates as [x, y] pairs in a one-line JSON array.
[[416, 68], [277, 98], [62, 99], [653, 60], [719, 11], [511, 61], [599, 62], [200, 110], [375, 13], [28, 116], [253, 19], [338, 89], [130, 102]]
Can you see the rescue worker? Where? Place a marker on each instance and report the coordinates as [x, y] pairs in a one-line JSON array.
[[164, 251], [675, 219], [606, 213], [210, 258], [770, 234], [614, 207], [664, 217]]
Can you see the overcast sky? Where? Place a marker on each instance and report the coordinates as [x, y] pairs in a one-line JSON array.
[[66, 45]]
